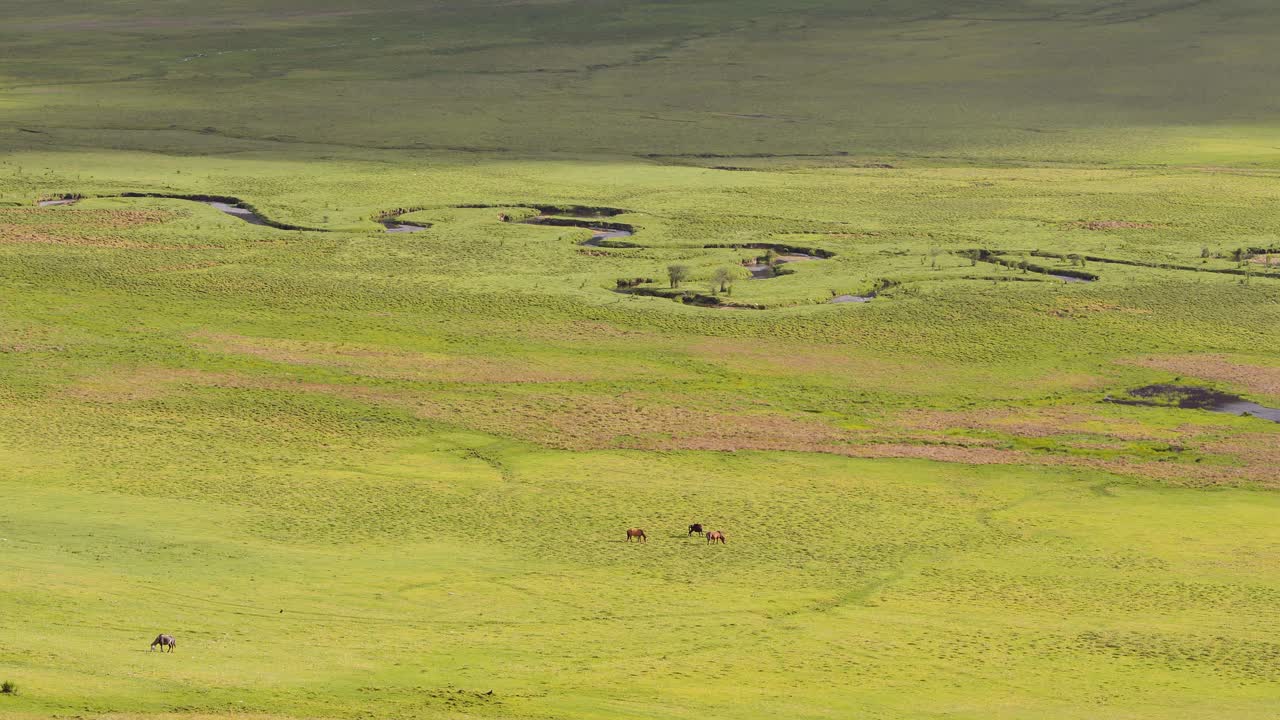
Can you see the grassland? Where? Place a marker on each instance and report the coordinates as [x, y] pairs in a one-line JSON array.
[[363, 474], [370, 473], [987, 81]]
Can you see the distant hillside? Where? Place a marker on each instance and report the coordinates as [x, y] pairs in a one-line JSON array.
[[984, 80]]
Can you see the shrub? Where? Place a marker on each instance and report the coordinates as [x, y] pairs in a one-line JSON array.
[[677, 274], [8, 687], [722, 279]]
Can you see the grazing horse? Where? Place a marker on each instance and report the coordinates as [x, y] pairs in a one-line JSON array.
[[164, 641], [715, 535], [695, 528], [636, 533]]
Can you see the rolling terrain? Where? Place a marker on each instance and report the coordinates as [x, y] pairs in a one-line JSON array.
[[341, 344]]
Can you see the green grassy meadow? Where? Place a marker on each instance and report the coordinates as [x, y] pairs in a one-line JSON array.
[[362, 474]]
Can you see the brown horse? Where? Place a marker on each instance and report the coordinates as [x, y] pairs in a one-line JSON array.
[[715, 535], [164, 641], [636, 533], [695, 528]]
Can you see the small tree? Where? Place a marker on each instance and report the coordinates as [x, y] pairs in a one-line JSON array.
[[677, 274], [724, 278]]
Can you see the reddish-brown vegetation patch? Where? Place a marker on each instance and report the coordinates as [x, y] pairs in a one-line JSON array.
[[1257, 379], [185, 267], [1033, 423], [17, 235], [410, 366], [1111, 225], [759, 356], [95, 219], [90, 228], [654, 421], [1068, 307], [148, 383], [141, 383], [1255, 455], [632, 420]]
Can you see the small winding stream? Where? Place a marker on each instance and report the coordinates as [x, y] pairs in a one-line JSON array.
[[241, 210], [236, 211], [604, 234], [399, 226]]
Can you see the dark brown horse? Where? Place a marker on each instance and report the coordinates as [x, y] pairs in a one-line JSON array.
[[636, 533], [696, 528], [715, 535], [164, 641]]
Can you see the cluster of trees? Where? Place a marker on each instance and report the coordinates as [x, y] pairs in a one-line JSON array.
[[721, 281], [1240, 255]]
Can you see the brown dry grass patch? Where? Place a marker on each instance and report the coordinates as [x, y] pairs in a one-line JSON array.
[[776, 357], [96, 219], [186, 267], [1257, 379], [89, 228], [19, 235], [1255, 455], [139, 384], [409, 366], [1081, 307], [1111, 225], [149, 383], [634, 420], [1039, 423], [661, 423], [854, 367]]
